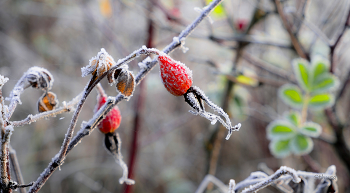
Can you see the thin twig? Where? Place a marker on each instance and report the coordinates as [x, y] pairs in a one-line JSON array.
[[16, 168], [6, 133], [282, 171], [302, 13], [251, 39], [15, 95], [33, 118], [268, 67], [295, 42], [334, 46], [88, 127], [210, 178], [315, 167], [314, 29]]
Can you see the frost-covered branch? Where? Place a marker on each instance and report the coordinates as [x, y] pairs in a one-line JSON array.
[[6, 133], [98, 117], [267, 181], [67, 107], [36, 77], [280, 179]]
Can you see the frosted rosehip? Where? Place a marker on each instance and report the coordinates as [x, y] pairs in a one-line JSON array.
[[112, 121], [176, 76]]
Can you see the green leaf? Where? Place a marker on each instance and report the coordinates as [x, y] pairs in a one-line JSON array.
[[311, 129], [280, 148], [301, 145], [321, 101], [247, 80], [319, 66], [293, 117], [302, 74], [280, 130], [291, 95], [325, 83], [218, 11]]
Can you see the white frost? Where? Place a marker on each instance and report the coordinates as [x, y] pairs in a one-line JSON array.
[[3, 80]]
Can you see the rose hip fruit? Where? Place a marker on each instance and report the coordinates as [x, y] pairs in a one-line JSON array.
[[112, 121], [176, 76]]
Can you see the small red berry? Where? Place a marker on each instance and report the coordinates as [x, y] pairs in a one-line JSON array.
[[176, 76], [241, 24], [112, 121]]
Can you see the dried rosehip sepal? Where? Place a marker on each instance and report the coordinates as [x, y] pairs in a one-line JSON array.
[[124, 79], [196, 99], [99, 64], [47, 102], [39, 78], [176, 76], [112, 120], [113, 145]]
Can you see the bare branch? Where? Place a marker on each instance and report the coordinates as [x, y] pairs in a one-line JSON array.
[[295, 42], [6, 133], [16, 169], [210, 178], [67, 107], [269, 68]]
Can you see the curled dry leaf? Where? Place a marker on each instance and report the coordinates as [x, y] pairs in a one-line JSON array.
[[124, 79], [47, 102], [98, 64], [39, 78]]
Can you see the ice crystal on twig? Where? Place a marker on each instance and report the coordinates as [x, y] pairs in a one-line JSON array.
[[196, 98]]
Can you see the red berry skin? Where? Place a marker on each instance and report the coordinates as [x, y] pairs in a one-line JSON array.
[[241, 24], [176, 76], [112, 121]]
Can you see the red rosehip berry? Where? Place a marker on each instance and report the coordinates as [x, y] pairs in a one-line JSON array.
[[112, 121], [176, 76], [241, 24]]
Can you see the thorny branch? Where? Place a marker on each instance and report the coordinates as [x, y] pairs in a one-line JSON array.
[[88, 127]]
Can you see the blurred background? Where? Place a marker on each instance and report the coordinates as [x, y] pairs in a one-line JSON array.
[[239, 56]]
